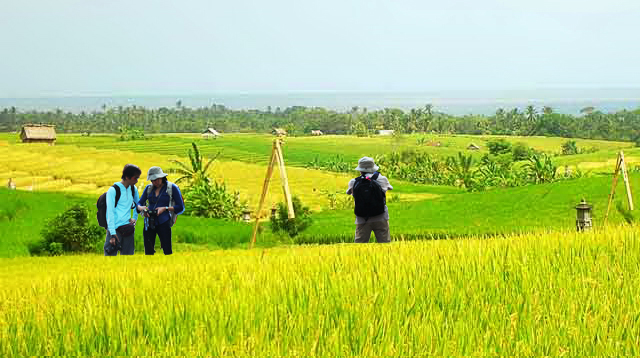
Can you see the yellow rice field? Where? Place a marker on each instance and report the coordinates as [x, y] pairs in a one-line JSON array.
[[91, 171], [553, 293]]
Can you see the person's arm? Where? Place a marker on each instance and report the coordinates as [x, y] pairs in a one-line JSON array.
[[350, 189], [141, 207], [136, 198], [111, 219]]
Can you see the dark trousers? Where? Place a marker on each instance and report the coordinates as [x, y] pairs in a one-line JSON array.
[[126, 241], [164, 233]]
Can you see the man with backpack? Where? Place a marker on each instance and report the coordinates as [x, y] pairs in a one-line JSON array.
[[369, 192], [164, 205], [114, 213]]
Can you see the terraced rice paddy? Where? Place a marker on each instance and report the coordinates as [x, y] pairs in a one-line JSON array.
[[541, 294]]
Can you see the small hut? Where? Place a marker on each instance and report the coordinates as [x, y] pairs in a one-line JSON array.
[[473, 146], [316, 132], [38, 133], [210, 133], [279, 132]]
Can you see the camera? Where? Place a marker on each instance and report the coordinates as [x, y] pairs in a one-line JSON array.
[[151, 221], [112, 249]]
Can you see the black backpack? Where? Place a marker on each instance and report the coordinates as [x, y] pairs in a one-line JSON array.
[[102, 205], [369, 197]]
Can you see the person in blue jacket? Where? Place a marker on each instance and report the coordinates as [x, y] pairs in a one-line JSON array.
[[120, 223], [164, 205]]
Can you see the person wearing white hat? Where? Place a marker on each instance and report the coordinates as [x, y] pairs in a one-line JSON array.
[[165, 204], [369, 192]]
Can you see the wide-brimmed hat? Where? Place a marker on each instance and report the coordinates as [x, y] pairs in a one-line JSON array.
[[155, 173], [366, 165]]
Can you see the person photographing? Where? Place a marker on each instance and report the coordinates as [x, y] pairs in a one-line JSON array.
[[161, 202], [369, 193]]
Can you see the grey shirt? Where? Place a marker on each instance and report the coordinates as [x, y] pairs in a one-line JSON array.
[[384, 183]]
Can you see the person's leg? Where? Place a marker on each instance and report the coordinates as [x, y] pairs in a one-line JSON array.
[[128, 244], [363, 233], [107, 243], [149, 239], [164, 234], [381, 230]]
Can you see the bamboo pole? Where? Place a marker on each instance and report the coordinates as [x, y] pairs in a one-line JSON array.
[[627, 185], [265, 188], [613, 189], [284, 179]]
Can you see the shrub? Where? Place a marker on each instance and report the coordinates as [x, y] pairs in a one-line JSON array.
[[71, 231], [281, 222], [499, 146], [569, 147], [213, 200], [127, 133], [521, 152]]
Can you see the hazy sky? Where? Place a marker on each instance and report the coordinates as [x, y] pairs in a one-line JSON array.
[[146, 47]]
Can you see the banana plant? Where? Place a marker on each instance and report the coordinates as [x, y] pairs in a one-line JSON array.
[[196, 171]]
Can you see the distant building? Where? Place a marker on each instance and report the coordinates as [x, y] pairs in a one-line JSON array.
[[473, 146], [211, 133], [385, 132], [318, 132], [38, 133]]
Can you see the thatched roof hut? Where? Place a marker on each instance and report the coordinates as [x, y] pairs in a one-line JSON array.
[[211, 133], [38, 133], [473, 146]]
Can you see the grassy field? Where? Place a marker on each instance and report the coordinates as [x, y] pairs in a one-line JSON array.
[[298, 151], [25, 214], [536, 294], [500, 211], [504, 211]]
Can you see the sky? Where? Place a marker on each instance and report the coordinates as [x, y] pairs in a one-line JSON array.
[[190, 47]]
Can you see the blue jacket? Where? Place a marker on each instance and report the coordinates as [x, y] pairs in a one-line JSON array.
[[162, 200], [121, 214]]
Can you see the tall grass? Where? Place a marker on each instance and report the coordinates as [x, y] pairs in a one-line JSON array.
[[543, 294]]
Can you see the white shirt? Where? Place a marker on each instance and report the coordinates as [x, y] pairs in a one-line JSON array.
[[384, 184]]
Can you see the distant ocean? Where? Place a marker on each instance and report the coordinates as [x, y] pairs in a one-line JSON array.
[[452, 102]]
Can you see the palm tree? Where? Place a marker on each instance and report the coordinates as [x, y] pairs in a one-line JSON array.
[[531, 114], [197, 171]]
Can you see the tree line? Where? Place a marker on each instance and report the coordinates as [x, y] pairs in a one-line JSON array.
[[591, 123]]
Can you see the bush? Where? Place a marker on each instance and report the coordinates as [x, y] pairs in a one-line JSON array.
[[281, 222], [127, 133], [569, 148], [499, 146], [71, 231], [213, 200], [521, 152]]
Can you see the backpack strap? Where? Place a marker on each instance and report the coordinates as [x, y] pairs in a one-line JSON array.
[[170, 192], [172, 215], [115, 186], [375, 176], [147, 190]]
